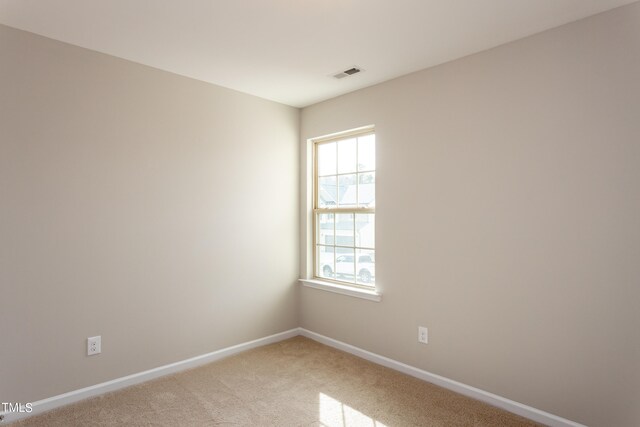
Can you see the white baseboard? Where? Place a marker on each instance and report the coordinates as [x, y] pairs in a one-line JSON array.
[[484, 396], [467, 390], [98, 389]]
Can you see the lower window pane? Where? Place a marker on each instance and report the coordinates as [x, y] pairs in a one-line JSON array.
[[325, 262], [344, 229], [345, 264], [326, 229], [366, 267], [365, 230]]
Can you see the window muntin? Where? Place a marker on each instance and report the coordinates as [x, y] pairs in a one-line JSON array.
[[344, 209]]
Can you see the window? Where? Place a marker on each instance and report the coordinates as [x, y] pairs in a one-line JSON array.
[[344, 209]]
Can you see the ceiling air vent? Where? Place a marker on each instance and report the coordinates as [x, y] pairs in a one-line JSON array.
[[346, 73]]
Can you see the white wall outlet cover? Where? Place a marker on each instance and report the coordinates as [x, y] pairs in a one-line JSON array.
[[94, 345], [423, 335]]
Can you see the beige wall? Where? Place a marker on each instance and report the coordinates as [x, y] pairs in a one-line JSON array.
[[508, 220], [157, 211]]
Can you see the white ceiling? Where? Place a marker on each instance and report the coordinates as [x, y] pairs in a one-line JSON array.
[[286, 50]]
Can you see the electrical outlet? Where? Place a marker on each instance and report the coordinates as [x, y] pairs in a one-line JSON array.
[[94, 345], [423, 335]]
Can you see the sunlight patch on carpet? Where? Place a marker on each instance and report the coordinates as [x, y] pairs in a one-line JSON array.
[[334, 413]]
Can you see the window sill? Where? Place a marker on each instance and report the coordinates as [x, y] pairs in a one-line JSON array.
[[344, 290]]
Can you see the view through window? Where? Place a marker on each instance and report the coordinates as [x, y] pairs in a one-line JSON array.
[[344, 209]]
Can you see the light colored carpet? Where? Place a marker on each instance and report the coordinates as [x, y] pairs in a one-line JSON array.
[[297, 382]]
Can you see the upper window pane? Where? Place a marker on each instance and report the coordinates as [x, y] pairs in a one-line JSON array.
[[347, 159], [367, 153], [328, 192], [327, 159], [367, 190], [347, 191]]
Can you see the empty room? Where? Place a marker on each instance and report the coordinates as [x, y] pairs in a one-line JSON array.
[[320, 213]]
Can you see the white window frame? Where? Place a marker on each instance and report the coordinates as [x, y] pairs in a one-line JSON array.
[[369, 292]]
